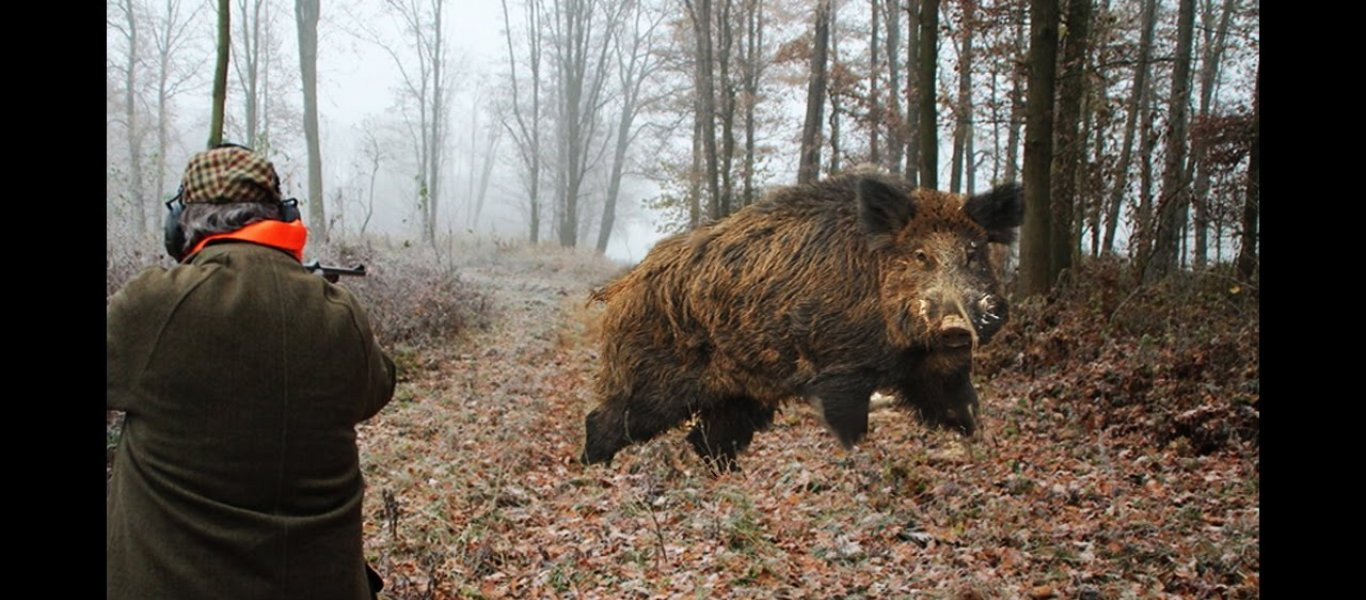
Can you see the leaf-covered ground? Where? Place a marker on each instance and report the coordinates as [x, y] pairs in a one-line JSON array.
[[1085, 485]]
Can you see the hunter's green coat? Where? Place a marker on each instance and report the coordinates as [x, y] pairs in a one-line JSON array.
[[243, 377]]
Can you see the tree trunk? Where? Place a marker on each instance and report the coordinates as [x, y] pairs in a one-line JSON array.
[[929, 120], [437, 137], [264, 135], [220, 75], [809, 167], [169, 34], [138, 197], [1211, 58], [995, 104], [1172, 208], [874, 101], [1017, 107], [695, 175], [609, 207], [701, 15], [964, 110], [1036, 273], [913, 91], [1095, 189], [248, 67], [727, 95], [754, 37], [1136, 107], [307, 12], [1247, 251], [834, 92], [1070, 145], [528, 136], [1141, 238], [895, 125], [634, 67], [489, 154]]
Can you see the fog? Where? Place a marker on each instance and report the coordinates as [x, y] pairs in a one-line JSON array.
[[373, 103]]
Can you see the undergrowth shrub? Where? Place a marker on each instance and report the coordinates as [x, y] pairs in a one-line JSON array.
[[1174, 359], [413, 295]]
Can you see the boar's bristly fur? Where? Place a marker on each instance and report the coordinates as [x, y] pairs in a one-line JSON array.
[[827, 291]]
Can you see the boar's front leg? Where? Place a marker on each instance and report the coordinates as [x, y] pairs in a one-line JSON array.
[[942, 401], [843, 403], [726, 429]]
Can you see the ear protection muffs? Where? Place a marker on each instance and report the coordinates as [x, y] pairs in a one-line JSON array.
[[174, 233], [289, 210]]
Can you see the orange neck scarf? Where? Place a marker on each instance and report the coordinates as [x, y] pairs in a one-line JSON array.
[[289, 237]]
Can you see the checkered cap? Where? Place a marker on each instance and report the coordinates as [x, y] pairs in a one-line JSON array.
[[230, 174]]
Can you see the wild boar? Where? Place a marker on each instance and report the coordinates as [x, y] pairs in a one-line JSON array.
[[827, 291]]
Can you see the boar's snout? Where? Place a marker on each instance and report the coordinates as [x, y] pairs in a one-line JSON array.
[[949, 320], [955, 333]]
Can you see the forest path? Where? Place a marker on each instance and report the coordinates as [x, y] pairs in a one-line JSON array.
[[473, 490]]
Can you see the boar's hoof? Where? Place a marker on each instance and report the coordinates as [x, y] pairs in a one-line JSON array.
[[951, 419], [718, 455]]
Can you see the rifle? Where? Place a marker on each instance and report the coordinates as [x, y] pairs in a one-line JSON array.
[[332, 274]]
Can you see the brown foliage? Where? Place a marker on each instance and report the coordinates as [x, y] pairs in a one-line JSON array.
[[473, 491], [1175, 360]]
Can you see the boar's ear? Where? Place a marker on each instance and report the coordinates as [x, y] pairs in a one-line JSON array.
[[1000, 211], [882, 209]]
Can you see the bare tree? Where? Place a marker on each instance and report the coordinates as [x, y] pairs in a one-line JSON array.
[[929, 120], [1247, 251], [700, 14], [836, 87], [809, 167], [126, 22], [1070, 143], [307, 13], [1016, 100], [1036, 274], [493, 136], [725, 31], [220, 74], [874, 73], [526, 134], [1141, 240], [424, 84], [374, 155], [579, 34], [247, 58], [962, 133], [481, 160], [1136, 107], [633, 49], [753, 70], [1175, 196], [896, 138], [1215, 39], [913, 90], [170, 31]]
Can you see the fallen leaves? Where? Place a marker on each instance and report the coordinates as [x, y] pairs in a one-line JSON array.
[[1075, 495]]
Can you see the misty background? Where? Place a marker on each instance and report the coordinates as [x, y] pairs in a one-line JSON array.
[[593, 122]]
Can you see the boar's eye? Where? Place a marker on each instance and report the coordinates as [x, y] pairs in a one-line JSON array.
[[922, 257]]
